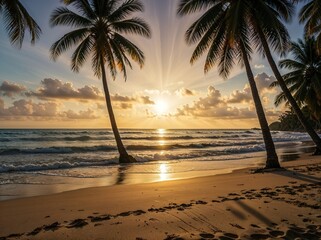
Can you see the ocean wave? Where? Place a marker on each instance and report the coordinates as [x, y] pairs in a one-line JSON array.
[[80, 163], [56, 150], [84, 138], [160, 138], [191, 145], [138, 147], [53, 166]]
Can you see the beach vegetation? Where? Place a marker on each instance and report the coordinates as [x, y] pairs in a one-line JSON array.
[[310, 15], [100, 30], [224, 33], [304, 76], [288, 121], [266, 19], [16, 21]]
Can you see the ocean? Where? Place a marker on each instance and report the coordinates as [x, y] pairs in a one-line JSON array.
[[35, 162]]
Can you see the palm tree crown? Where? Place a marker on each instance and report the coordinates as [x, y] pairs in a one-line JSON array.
[[99, 27], [304, 78], [17, 19]]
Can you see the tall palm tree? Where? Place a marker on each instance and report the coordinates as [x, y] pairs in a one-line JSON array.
[[265, 19], [223, 33], [304, 78], [99, 27], [310, 14], [16, 20]]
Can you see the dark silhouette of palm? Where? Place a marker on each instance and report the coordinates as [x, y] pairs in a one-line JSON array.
[[310, 14], [265, 18], [222, 31], [17, 20], [304, 76], [99, 25]]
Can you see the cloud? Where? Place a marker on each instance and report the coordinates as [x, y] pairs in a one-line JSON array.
[[238, 96], [27, 108], [184, 92], [263, 82], [126, 102], [22, 109], [259, 66], [215, 105], [88, 114], [56, 89], [10, 89]]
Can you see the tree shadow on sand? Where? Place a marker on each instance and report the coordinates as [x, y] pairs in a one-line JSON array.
[[122, 174], [255, 213], [298, 176]]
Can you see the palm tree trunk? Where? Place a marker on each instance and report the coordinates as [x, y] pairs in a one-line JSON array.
[[124, 157], [272, 158], [309, 129]]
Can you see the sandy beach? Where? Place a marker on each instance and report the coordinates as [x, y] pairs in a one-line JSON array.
[[281, 204]]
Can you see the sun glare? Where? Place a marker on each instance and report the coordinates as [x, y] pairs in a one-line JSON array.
[[163, 172], [161, 107]]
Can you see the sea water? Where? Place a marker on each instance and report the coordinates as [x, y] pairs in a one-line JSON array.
[[34, 162]]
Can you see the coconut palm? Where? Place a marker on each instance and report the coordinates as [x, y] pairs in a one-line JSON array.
[[304, 78], [310, 14], [223, 33], [265, 20], [99, 25], [17, 20]]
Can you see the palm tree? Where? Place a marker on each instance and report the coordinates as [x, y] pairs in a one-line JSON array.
[[304, 78], [99, 27], [310, 14], [223, 33], [16, 20], [265, 19]]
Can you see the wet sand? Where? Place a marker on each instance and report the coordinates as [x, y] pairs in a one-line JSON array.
[[284, 204]]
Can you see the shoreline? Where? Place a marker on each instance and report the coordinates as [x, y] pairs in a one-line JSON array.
[[215, 205], [47, 183]]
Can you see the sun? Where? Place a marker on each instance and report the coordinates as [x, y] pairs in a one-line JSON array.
[[161, 107]]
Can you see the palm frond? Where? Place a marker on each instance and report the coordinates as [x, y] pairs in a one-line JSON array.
[[203, 24], [132, 26], [81, 53], [127, 8], [65, 17], [67, 41], [190, 6], [291, 64], [17, 20], [83, 6], [130, 48]]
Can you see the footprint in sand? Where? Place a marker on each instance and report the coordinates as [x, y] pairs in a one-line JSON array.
[[258, 236], [77, 223], [276, 233], [52, 227], [207, 235], [231, 235]]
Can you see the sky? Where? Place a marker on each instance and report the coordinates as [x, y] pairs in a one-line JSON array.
[[168, 92]]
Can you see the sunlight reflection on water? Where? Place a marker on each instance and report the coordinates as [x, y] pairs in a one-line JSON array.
[[163, 172]]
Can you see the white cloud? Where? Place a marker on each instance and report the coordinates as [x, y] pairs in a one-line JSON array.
[[259, 66]]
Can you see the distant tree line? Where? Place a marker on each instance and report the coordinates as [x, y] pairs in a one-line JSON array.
[[288, 121]]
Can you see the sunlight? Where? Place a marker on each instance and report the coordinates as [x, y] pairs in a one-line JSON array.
[[161, 131], [161, 107], [163, 172]]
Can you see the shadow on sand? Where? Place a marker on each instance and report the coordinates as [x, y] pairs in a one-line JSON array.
[[298, 176]]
